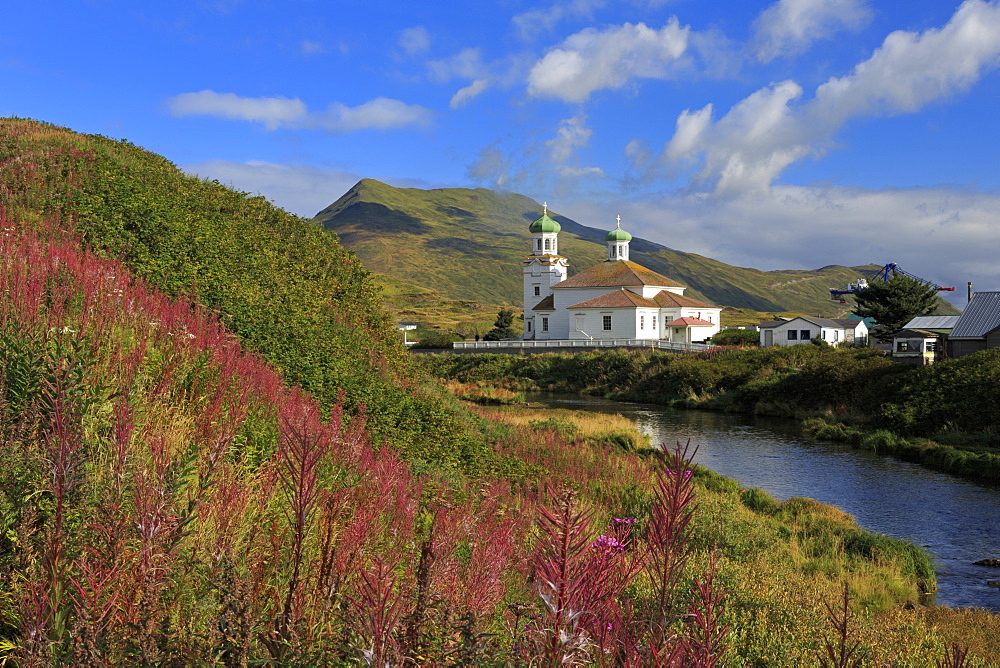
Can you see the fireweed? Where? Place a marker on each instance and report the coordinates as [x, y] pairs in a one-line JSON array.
[[169, 500]]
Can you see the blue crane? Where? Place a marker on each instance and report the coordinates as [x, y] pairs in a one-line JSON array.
[[882, 274]]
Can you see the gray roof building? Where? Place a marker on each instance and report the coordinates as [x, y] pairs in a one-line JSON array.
[[978, 328]]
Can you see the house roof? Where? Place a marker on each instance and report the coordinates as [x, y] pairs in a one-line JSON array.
[[614, 274], [836, 323], [933, 322], [547, 304], [667, 299], [688, 322], [911, 333], [980, 317], [544, 224], [621, 298]]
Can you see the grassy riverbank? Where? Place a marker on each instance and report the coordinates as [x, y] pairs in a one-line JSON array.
[[782, 563], [942, 416]]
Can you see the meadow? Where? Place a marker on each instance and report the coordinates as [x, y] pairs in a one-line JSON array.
[[168, 500]]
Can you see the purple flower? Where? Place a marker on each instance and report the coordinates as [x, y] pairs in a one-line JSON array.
[[608, 544]]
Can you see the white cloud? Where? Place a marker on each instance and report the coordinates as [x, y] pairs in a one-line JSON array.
[[378, 114], [793, 227], [311, 48], [492, 167], [415, 40], [271, 111], [572, 135], [910, 69], [466, 64], [536, 21], [304, 190], [789, 27], [593, 60], [460, 98], [274, 112], [749, 147]]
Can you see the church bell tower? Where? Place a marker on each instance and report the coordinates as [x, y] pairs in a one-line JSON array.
[[542, 269]]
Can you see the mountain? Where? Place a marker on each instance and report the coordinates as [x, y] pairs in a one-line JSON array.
[[467, 244]]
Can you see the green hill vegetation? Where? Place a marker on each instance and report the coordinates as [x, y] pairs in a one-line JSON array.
[[467, 245], [190, 477], [283, 285]]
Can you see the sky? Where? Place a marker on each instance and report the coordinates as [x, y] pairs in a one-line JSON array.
[[775, 134]]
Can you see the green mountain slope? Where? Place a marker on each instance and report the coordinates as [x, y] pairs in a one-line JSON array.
[[467, 244], [287, 288]]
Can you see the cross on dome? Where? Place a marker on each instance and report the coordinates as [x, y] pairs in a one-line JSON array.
[[545, 208], [619, 220]]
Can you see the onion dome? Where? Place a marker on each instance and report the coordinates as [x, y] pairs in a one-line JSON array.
[[618, 234], [544, 224]]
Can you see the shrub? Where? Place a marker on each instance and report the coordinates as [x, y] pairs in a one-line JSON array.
[[737, 337], [443, 340]]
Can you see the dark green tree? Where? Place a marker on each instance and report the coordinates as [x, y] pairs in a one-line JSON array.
[[503, 327], [894, 303]]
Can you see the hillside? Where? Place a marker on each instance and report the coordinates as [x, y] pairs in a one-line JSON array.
[[422, 237], [284, 286]]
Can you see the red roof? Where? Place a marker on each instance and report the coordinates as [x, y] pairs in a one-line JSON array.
[[668, 299], [689, 322], [616, 299], [615, 274], [547, 304]]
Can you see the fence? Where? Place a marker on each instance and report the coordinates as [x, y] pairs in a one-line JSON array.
[[583, 344]]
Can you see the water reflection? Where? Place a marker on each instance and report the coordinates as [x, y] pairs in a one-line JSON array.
[[955, 520]]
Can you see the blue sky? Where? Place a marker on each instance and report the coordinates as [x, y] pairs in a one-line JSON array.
[[777, 134]]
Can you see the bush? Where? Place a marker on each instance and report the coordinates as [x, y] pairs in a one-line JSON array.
[[441, 340], [737, 337]]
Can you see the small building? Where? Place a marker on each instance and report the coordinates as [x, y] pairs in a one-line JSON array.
[[916, 346], [924, 339], [978, 328], [799, 330]]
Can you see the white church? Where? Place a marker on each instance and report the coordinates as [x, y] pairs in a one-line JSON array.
[[616, 299]]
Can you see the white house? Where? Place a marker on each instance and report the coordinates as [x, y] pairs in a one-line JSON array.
[[804, 330], [615, 299]]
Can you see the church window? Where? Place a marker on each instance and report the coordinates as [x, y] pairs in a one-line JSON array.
[[654, 322], [538, 291], [545, 324], [547, 247], [607, 323], [538, 244], [642, 322], [528, 323], [614, 250]]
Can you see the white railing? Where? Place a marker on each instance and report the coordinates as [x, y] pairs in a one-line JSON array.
[[579, 343]]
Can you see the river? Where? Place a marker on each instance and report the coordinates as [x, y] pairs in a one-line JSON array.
[[955, 520]]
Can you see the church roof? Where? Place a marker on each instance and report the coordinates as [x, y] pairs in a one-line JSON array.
[[667, 299], [547, 304], [616, 299], [688, 322], [618, 234], [544, 224], [615, 274]]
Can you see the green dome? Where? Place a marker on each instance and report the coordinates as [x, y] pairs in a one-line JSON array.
[[544, 224], [618, 234]]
